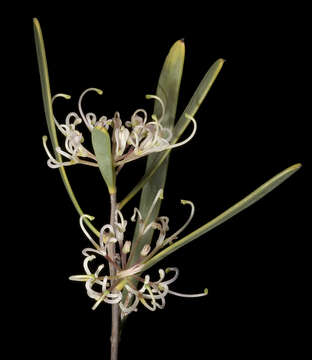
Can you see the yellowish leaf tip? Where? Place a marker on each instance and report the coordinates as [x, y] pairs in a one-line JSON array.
[[293, 168], [101, 128], [161, 195], [297, 166], [206, 291]]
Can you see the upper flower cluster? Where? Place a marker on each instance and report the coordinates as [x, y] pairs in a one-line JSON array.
[[108, 288], [132, 140]]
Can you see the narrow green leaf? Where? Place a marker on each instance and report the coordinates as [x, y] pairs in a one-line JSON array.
[[198, 97], [226, 215], [47, 103], [45, 85], [102, 149], [179, 128], [168, 90]]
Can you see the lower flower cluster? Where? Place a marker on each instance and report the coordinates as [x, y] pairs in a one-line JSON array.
[[126, 286]]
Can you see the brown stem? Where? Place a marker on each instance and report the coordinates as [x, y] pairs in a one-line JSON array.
[[115, 307], [115, 331]]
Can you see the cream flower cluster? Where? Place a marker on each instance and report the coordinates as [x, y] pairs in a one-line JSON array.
[[130, 141], [106, 288]]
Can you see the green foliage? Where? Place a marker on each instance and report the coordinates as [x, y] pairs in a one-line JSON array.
[[168, 90], [102, 149], [256, 195], [47, 102]]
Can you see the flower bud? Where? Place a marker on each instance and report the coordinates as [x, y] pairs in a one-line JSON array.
[[127, 246], [146, 249]]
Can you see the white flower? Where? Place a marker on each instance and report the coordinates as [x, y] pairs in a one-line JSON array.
[[130, 141], [75, 152], [108, 289], [147, 137]]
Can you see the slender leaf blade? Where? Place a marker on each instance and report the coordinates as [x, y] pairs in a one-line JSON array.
[[47, 103], [45, 84], [191, 109], [102, 149], [256, 195], [168, 90]]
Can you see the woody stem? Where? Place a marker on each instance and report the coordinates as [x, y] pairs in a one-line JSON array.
[[115, 307]]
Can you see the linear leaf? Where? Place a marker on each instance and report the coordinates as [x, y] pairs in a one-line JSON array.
[[102, 148], [47, 103], [167, 90], [183, 122], [226, 215]]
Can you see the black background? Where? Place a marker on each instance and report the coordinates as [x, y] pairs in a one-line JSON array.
[[252, 125]]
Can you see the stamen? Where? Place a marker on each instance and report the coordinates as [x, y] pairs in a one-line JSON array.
[[138, 213], [151, 308], [44, 142], [159, 195], [99, 269], [87, 250], [67, 97], [162, 275], [87, 121], [174, 236], [65, 154], [136, 120], [161, 104], [86, 262], [82, 217], [113, 298], [176, 270], [189, 138], [100, 300], [92, 293], [188, 295], [123, 223], [81, 277]]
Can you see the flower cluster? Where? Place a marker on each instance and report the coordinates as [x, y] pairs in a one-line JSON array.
[[130, 141], [108, 288]]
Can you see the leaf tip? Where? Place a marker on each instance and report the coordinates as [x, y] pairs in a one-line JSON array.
[[294, 167], [102, 129]]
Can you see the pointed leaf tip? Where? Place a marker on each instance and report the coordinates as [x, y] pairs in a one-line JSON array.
[[243, 204]]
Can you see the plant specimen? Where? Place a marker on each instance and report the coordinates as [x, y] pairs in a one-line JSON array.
[[121, 279]]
